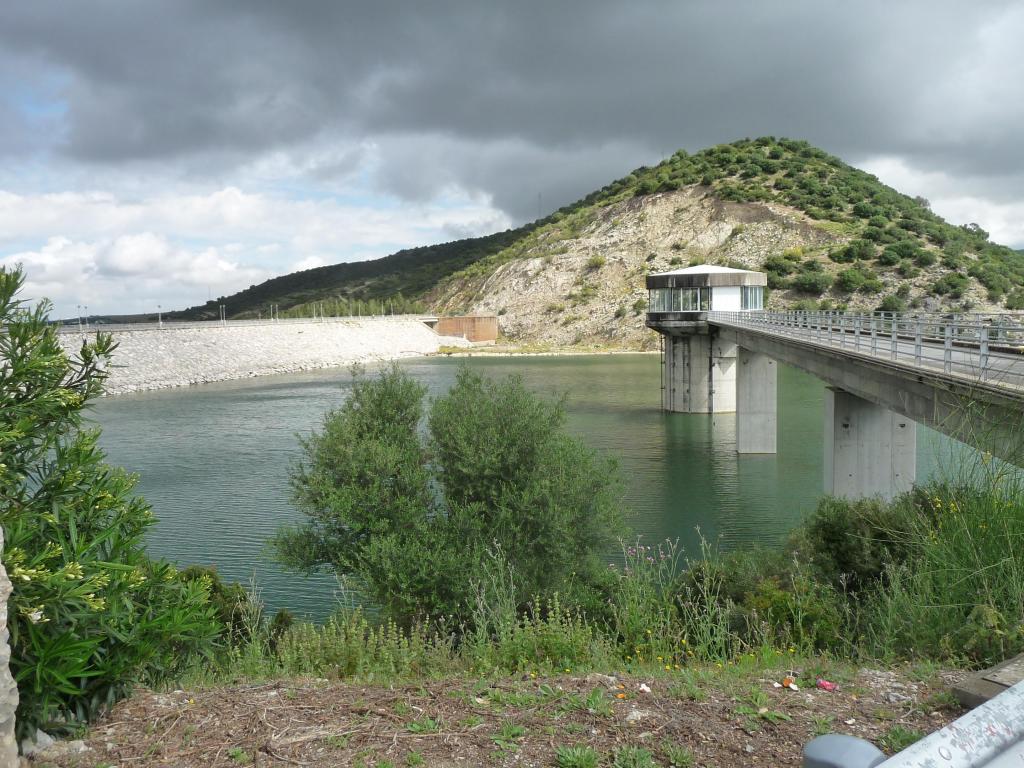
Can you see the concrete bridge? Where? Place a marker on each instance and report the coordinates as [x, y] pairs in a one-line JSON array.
[[961, 374]]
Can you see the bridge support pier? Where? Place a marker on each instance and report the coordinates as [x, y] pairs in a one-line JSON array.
[[700, 374], [756, 402], [869, 450]]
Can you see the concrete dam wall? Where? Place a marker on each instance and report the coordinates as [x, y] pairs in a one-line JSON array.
[[152, 357]]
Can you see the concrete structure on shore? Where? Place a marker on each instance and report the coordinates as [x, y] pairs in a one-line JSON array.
[[156, 356], [961, 375]]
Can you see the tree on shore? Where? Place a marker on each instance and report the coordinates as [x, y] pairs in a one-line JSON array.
[[409, 517], [90, 615]]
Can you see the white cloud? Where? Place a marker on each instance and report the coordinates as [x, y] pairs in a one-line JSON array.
[[126, 255], [132, 273], [959, 200]]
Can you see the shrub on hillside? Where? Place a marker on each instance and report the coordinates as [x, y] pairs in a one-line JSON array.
[[812, 282], [90, 616], [409, 519], [892, 303], [953, 285]]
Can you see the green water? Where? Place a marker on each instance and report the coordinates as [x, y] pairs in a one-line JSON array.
[[213, 460]]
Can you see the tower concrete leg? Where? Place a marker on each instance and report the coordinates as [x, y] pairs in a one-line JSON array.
[[869, 450], [723, 375], [700, 375], [756, 403]]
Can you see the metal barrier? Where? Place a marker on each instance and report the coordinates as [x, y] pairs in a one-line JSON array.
[[991, 735], [989, 347]]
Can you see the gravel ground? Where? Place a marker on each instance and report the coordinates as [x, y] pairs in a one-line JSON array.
[[717, 717]]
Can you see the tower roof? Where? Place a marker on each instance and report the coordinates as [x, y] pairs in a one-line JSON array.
[[706, 275]]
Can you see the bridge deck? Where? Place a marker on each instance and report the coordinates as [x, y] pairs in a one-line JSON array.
[[986, 351]]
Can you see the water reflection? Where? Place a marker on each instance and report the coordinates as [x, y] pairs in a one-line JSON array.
[[213, 460]]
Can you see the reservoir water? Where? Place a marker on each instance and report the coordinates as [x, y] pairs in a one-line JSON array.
[[213, 460]]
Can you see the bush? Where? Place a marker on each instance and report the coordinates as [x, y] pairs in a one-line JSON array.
[[595, 262], [892, 304], [850, 543], [953, 284], [90, 616], [812, 282], [850, 280], [410, 520]]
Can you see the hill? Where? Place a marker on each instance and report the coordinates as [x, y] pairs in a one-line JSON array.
[[828, 234], [399, 279]]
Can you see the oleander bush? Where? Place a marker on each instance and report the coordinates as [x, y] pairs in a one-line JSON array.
[[90, 615]]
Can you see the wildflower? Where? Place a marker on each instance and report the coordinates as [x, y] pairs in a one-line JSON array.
[[668, 667], [620, 695]]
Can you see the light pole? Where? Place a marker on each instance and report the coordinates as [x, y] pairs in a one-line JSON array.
[[87, 317], [79, 306], [159, 317]]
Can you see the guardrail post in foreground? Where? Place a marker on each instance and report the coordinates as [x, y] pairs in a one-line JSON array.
[[894, 328], [917, 341], [8, 688], [874, 335]]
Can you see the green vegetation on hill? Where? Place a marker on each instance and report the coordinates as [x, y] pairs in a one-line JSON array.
[[359, 286], [888, 232]]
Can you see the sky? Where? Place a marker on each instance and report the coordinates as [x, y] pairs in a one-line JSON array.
[[163, 153]]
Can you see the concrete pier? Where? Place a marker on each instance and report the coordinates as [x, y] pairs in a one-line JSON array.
[[756, 403], [869, 450], [700, 374]]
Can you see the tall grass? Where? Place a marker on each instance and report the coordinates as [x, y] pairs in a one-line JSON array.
[[936, 574]]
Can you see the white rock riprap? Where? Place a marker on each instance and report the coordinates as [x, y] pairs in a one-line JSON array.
[[179, 356]]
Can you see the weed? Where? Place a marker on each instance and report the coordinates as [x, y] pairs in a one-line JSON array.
[[633, 757], [576, 757], [507, 736], [401, 708], [471, 722], [239, 756], [598, 704], [678, 755], [898, 738], [414, 758], [337, 740], [758, 707], [822, 724], [423, 725]]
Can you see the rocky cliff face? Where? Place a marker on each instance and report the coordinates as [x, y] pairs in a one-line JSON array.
[[588, 288]]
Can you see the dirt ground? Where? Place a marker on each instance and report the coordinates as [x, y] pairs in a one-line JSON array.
[[702, 718]]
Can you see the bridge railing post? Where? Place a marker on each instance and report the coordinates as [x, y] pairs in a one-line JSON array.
[[856, 332], [917, 341], [894, 330], [947, 349], [983, 360], [874, 334]]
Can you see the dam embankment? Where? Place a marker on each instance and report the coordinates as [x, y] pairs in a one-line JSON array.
[[156, 357]]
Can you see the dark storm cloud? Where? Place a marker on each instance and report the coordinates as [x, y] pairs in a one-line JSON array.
[[517, 98]]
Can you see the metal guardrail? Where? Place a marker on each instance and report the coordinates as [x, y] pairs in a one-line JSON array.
[[989, 347], [169, 325], [991, 735]]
